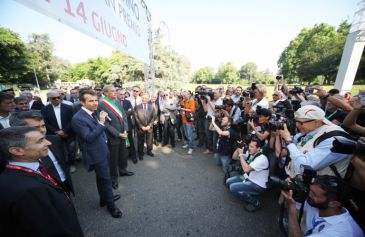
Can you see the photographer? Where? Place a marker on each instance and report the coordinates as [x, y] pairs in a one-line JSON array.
[[201, 114], [233, 110], [256, 172], [280, 103], [311, 121], [168, 118], [261, 129], [209, 107], [225, 141], [260, 98], [237, 94], [323, 209]]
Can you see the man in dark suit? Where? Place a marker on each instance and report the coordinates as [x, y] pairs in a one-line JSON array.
[[55, 160], [145, 116], [127, 106], [32, 203], [90, 129], [35, 102], [57, 117], [116, 131]]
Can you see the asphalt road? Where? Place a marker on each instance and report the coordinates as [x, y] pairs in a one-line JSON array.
[[173, 194]]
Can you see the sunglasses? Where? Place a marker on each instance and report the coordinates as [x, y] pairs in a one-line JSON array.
[[303, 122], [135, 91], [55, 98]]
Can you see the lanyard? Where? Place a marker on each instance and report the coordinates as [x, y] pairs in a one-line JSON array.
[[48, 177], [329, 116], [314, 223]]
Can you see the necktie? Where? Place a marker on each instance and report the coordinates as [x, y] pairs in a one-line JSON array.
[[135, 102], [43, 170], [95, 116], [145, 113]]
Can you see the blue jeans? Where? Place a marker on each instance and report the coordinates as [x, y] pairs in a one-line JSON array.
[[246, 190], [223, 160], [188, 129]]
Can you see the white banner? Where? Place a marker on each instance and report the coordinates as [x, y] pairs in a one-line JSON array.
[[122, 24]]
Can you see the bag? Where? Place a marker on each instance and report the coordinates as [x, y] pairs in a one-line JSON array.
[[189, 117]]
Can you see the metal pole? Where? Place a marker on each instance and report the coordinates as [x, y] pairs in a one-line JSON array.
[[170, 49], [36, 78]]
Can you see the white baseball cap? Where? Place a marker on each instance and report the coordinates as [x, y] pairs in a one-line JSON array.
[[311, 112]]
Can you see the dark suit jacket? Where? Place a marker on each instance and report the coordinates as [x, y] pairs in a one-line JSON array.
[[128, 109], [51, 121], [115, 126], [33, 206], [143, 120], [92, 138], [37, 105], [57, 150]]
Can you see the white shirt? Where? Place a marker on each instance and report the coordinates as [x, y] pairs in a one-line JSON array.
[[264, 104], [260, 170], [237, 113], [57, 112], [342, 225], [135, 100], [5, 121], [214, 102], [89, 112], [58, 167], [66, 102], [30, 165], [235, 98], [31, 103]]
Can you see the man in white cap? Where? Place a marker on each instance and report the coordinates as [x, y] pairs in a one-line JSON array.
[[307, 148]]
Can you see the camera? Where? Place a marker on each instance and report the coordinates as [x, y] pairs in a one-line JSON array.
[[253, 86], [296, 90], [309, 90], [252, 117], [279, 77], [348, 146], [202, 93], [219, 106], [299, 185]]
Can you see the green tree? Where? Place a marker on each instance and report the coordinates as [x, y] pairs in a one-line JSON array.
[[203, 75], [227, 74], [248, 71], [14, 58]]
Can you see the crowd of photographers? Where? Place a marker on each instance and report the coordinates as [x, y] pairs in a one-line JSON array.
[[306, 141]]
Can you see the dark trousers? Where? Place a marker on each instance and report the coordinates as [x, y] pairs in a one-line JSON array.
[[201, 131], [132, 149], [180, 130], [104, 182], [118, 159], [168, 132], [141, 138], [70, 144]]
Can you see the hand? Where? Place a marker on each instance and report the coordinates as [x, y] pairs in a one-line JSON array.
[[60, 133], [320, 91], [102, 116], [208, 98], [288, 195], [123, 135], [37, 98], [251, 124], [355, 102], [213, 119], [285, 134], [148, 127], [155, 122]]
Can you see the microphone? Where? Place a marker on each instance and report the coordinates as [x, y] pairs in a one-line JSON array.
[[108, 118]]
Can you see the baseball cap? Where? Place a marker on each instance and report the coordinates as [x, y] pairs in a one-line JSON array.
[[311, 112]]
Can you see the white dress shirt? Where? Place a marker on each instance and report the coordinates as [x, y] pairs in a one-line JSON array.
[[5, 121], [57, 112], [58, 167]]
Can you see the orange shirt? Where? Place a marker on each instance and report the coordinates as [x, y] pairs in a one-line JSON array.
[[188, 104]]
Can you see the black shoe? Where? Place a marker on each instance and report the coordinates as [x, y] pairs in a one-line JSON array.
[[115, 212], [197, 138], [200, 145], [134, 160], [115, 185], [116, 197], [140, 157], [150, 153], [126, 173]]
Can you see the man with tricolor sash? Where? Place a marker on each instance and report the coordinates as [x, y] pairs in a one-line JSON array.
[[116, 131]]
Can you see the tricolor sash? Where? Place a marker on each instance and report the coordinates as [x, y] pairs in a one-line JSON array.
[[113, 107]]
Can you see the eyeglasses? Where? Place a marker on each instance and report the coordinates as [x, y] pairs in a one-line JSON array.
[[55, 98], [135, 91], [303, 122], [165, 95]]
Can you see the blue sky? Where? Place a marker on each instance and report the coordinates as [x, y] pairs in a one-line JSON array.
[[208, 33]]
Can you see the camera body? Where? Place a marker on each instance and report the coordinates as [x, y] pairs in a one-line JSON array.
[[300, 184], [296, 90], [202, 93]]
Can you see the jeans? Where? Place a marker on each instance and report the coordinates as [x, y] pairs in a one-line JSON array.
[[223, 160], [246, 190], [188, 129]]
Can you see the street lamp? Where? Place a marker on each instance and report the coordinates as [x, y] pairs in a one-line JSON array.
[[163, 23]]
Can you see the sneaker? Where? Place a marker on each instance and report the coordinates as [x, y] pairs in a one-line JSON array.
[[72, 169], [207, 151], [190, 151], [252, 208], [185, 146]]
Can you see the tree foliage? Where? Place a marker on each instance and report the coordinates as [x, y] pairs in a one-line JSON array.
[[315, 52]]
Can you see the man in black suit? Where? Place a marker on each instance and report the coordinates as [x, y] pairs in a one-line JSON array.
[[35, 102], [55, 160], [127, 106], [145, 116], [57, 117], [32, 203], [90, 128], [116, 131]]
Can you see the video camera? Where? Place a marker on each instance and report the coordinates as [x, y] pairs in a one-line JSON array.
[[300, 184], [202, 93]]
